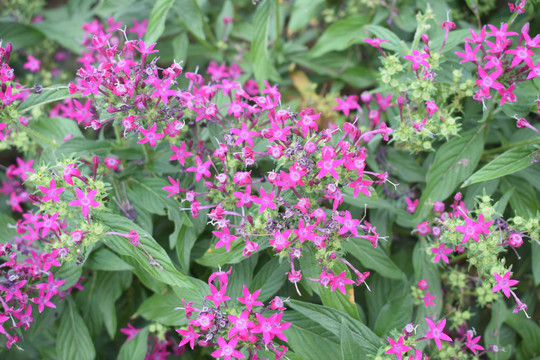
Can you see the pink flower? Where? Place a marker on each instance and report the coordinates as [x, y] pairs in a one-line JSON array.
[[174, 188], [472, 343], [180, 153], [85, 201], [339, 282], [227, 349], [241, 324], [349, 224], [397, 347], [69, 172], [250, 300], [441, 252], [150, 135], [470, 230], [139, 28], [52, 192], [266, 200], [189, 336], [279, 241], [346, 106], [504, 283], [225, 238], [423, 284], [130, 331], [201, 169], [418, 59], [244, 134], [411, 205], [32, 64], [436, 332], [428, 299], [217, 296]]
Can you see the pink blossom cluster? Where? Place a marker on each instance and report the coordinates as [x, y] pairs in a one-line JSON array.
[[502, 60], [234, 327]]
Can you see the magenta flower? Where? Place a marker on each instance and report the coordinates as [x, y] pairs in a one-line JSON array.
[[417, 59], [504, 283], [174, 188], [244, 134], [32, 64], [201, 169], [150, 135], [227, 349], [189, 336], [52, 192], [270, 327], [279, 241], [139, 28], [217, 296], [339, 282], [360, 186], [241, 324], [180, 153], [441, 253], [470, 230], [472, 343], [397, 347], [130, 331], [411, 205], [489, 81], [346, 106], [225, 238], [266, 200], [250, 300], [469, 54], [349, 224], [85, 201], [436, 332], [428, 299], [69, 172]]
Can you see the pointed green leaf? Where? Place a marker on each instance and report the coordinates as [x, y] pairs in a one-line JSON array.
[[136, 348], [73, 339], [156, 22], [340, 35], [49, 94], [373, 258], [507, 163]]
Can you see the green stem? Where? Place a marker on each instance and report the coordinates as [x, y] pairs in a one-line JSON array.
[[510, 146]]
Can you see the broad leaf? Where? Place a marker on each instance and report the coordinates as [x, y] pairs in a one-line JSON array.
[[373, 258], [340, 35], [161, 308], [454, 162], [104, 259], [259, 45], [270, 278], [136, 348], [192, 17], [73, 340], [49, 94], [507, 163], [156, 22]]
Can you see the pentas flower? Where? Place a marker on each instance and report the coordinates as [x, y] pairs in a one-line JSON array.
[[225, 238], [139, 28], [504, 283], [469, 54], [174, 188], [130, 331], [265, 200], [201, 169], [250, 300], [349, 224], [411, 205], [242, 325], [470, 230], [346, 106], [279, 241], [189, 336], [150, 135], [244, 134], [70, 172], [307, 121], [489, 81], [417, 59], [436, 332], [180, 153], [227, 350], [52, 192], [339, 282], [32, 64], [85, 200], [397, 347], [428, 299], [270, 327], [441, 253], [472, 343]]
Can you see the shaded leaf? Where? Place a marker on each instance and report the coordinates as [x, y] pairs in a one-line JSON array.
[[340, 35], [136, 348], [373, 258], [454, 162], [270, 278], [156, 21], [73, 340], [106, 260], [507, 163], [259, 43], [49, 94]]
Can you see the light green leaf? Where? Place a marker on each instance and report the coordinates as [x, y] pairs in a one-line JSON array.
[[349, 346], [270, 278], [424, 268], [373, 258], [507, 163], [53, 130], [136, 348], [49, 94], [7, 229], [156, 22], [454, 162], [259, 45], [336, 299], [331, 320], [159, 266], [524, 199], [161, 308], [536, 262], [106, 260], [73, 340], [394, 43], [20, 35], [340, 35], [192, 17]]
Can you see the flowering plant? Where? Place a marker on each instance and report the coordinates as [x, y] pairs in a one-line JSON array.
[[336, 186]]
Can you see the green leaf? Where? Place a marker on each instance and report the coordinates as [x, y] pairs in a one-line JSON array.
[[454, 162], [221, 256], [57, 30], [7, 229], [69, 272], [331, 320], [373, 258], [404, 166], [21, 36], [192, 17], [340, 35], [106, 260], [73, 340], [49, 94], [308, 338], [495, 334], [136, 348], [397, 312], [523, 201], [259, 45], [53, 130], [80, 145], [424, 268], [161, 308], [394, 43], [536, 263], [161, 268], [529, 332], [302, 13], [349, 345], [186, 238], [507, 163], [156, 22], [270, 278]]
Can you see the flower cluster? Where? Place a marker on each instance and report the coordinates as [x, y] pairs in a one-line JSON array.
[[481, 241], [235, 329]]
